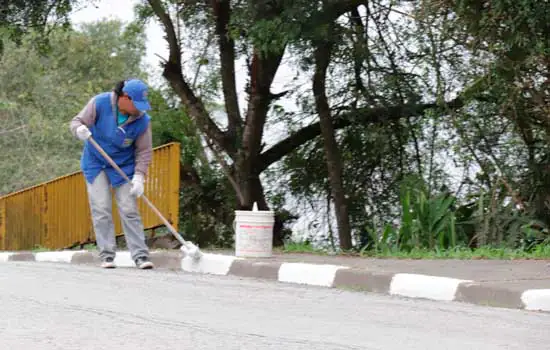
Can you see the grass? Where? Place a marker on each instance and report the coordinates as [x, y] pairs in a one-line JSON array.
[[483, 253], [90, 247], [541, 252], [38, 249], [294, 247]]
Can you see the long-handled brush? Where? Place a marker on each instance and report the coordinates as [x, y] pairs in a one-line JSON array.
[[187, 248]]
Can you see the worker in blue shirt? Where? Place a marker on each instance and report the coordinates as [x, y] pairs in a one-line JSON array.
[[120, 125]]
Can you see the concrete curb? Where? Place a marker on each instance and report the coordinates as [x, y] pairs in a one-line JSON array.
[[322, 275]]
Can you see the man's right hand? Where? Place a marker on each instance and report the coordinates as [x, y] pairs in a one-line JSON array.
[[83, 132]]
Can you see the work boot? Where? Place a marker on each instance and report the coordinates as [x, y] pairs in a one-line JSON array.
[[144, 263]]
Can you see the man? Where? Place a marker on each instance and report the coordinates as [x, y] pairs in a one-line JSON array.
[[119, 123]]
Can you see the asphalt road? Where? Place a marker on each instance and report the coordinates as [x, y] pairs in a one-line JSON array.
[[56, 306]]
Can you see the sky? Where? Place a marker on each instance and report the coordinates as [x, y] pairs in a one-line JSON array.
[[123, 10]]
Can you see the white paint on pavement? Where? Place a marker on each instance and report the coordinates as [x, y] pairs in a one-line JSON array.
[[536, 299], [214, 264], [424, 286], [58, 256], [5, 256], [124, 259], [312, 274]]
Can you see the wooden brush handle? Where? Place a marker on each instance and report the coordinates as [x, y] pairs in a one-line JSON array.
[[153, 208]]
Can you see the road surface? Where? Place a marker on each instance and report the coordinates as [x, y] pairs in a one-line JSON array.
[[54, 306]]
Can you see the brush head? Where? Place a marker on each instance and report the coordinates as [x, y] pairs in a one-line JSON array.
[[191, 251]]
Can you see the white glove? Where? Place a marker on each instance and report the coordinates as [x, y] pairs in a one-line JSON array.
[[137, 185], [83, 132]]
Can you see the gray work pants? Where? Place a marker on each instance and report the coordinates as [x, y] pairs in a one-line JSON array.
[[99, 196]]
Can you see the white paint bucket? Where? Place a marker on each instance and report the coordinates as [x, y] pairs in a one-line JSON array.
[[254, 233]]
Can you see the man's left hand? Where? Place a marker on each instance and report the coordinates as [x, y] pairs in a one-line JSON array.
[[137, 185]]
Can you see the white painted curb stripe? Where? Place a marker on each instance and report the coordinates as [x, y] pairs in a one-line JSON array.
[[62, 256], [214, 264], [124, 259], [5, 256], [536, 299], [312, 274], [423, 286], [402, 284]]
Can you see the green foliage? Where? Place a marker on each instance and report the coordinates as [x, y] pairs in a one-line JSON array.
[[492, 219], [515, 28], [435, 224], [427, 221], [206, 210], [540, 251], [37, 18], [170, 123], [500, 134], [301, 247], [41, 93], [206, 198], [403, 197], [486, 253]]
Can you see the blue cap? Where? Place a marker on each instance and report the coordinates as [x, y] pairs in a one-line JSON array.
[[137, 90]]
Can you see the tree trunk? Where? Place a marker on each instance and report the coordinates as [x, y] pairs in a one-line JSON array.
[[242, 141], [332, 154], [251, 189]]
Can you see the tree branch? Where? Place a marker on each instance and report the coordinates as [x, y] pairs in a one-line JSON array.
[[322, 55], [262, 72], [222, 13], [174, 75], [226, 169], [171, 37], [360, 49], [363, 116], [336, 8]]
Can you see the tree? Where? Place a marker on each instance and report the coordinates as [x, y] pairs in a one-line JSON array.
[[40, 17], [509, 39], [41, 93], [393, 102], [261, 28], [323, 51]]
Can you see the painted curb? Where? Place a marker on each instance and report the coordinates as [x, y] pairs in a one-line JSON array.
[[425, 287], [310, 274], [417, 286], [536, 299]]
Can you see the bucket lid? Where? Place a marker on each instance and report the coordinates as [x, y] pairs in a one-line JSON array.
[[258, 213], [254, 211]]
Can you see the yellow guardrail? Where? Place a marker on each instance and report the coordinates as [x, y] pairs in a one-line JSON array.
[[56, 214]]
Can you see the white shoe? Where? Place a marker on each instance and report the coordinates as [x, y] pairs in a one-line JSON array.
[[144, 263], [108, 263]]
